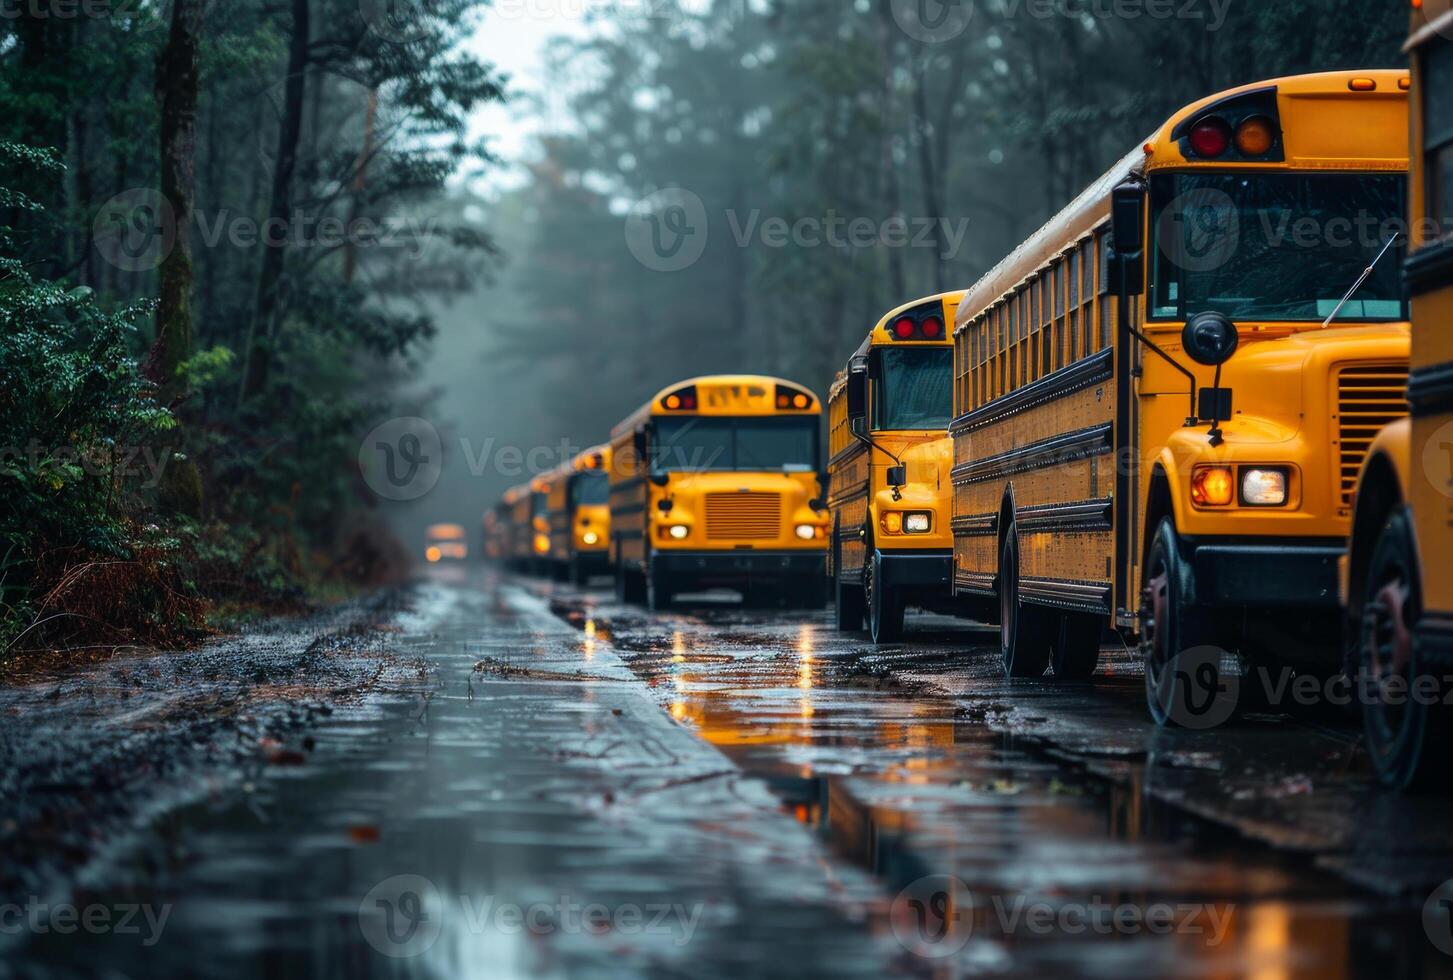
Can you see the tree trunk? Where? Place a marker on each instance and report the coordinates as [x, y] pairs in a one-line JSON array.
[[259, 354], [176, 88]]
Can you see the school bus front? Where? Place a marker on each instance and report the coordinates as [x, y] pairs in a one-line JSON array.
[[1164, 395], [1398, 586], [715, 483], [890, 495], [579, 516]]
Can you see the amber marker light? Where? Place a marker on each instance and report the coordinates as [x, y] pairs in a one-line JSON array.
[[1363, 85], [893, 523], [1255, 137], [1213, 486]]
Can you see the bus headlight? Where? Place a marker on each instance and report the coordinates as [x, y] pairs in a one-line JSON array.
[[679, 532], [1264, 487], [590, 538], [914, 522], [806, 532]]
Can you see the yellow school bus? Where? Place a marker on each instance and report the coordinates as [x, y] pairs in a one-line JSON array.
[[1399, 590], [715, 483], [889, 456], [1163, 397], [577, 504], [528, 535], [446, 542]]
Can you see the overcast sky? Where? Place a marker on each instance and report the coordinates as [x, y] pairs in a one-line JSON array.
[[512, 34]]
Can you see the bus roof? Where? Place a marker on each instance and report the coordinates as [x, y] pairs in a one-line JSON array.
[[594, 458], [749, 394], [1313, 147], [880, 336]]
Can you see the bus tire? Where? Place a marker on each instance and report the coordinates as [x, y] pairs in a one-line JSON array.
[[848, 607], [886, 605], [1171, 622], [1407, 741], [1024, 640], [1076, 647]]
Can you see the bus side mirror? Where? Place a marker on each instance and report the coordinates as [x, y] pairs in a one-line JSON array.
[[660, 479], [897, 475], [1127, 222], [857, 392]]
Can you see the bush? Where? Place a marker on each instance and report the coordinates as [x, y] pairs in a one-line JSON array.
[[82, 446]]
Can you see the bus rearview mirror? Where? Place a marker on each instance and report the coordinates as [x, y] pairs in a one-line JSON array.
[[1127, 220], [857, 391]]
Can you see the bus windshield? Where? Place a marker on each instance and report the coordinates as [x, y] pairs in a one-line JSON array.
[[590, 489], [758, 445], [915, 388], [1276, 246]]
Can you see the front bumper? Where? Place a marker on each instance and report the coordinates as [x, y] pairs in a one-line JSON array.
[[920, 570], [595, 560], [733, 568], [1270, 574]]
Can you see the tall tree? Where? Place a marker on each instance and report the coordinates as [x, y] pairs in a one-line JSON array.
[[259, 342]]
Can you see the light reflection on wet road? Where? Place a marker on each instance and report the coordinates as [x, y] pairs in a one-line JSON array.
[[921, 760], [741, 793]]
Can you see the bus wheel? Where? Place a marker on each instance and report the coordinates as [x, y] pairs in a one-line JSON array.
[[886, 606], [1076, 647], [1023, 631], [847, 596], [1406, 730], [1170, 625]]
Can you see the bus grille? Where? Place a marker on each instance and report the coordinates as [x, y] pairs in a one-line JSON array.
[[743, 516], [1368, 398]]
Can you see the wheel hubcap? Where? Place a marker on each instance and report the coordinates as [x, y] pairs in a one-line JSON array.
[[1388, 644], [1154, 605]]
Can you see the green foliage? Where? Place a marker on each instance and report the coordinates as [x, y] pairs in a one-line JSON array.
[[76, 419], [273, 480]]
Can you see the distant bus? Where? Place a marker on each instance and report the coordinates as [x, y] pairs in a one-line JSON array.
[[446, 542], [527, 539], [889, 457], [715, 483], [1162, 400], [577, 503], [1399, 588]]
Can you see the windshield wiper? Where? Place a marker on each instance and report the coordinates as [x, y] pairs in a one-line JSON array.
[[1366, 275]]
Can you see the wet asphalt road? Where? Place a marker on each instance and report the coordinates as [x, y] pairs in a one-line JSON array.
[[576, 789]]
